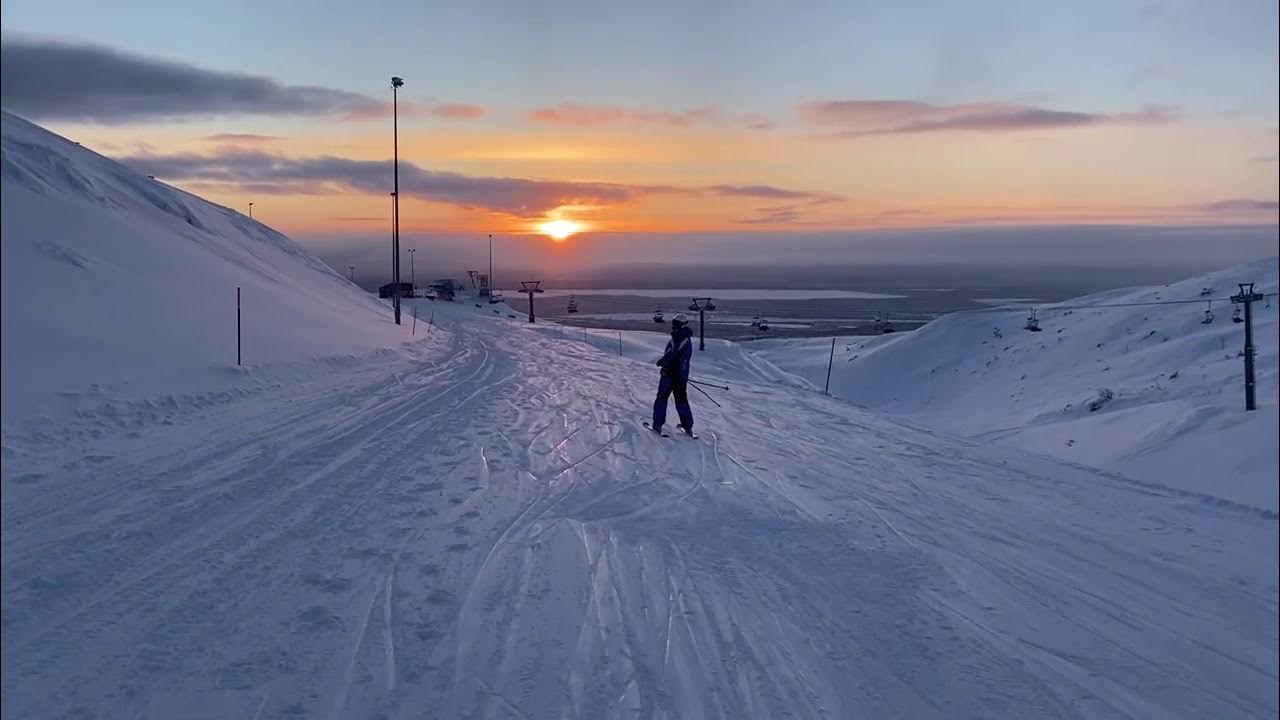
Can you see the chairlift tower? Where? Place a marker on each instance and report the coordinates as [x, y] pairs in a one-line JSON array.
[[1247, 297], [530, 287], [701, 306]]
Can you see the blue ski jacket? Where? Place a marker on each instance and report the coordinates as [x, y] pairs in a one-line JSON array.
[[675, 361]]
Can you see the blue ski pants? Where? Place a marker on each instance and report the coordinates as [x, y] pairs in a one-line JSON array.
[[680, 387]]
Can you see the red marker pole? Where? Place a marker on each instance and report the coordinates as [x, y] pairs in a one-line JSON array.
[[237, 326]]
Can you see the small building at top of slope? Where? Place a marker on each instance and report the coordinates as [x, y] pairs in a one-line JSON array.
[[388, 290]]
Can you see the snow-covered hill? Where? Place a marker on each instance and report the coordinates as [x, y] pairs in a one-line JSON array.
[[1150, 391], [115, 284], [475, 523]]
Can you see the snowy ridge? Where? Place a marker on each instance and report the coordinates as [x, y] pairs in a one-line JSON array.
[[1149, 391], [127, 286], [475, 524]]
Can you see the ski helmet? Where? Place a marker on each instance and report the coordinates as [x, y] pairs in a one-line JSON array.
[[680, 319]]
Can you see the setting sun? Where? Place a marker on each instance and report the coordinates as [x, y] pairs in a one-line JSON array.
[[559, 230]]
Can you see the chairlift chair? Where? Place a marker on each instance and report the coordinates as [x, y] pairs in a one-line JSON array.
[[755, 321], [1208, 314], [573, 304], [1033, 323], [657, 316], [1235, 315], [763, 326]]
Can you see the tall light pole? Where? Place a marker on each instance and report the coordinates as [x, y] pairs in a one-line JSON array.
[[250, 211], [396, 83], [352, 268], [395, 265], [412, 277]]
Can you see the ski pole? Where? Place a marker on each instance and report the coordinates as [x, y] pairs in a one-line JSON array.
[[717, 387], [704, 392]]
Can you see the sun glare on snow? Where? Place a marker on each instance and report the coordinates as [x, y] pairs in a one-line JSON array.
[[559, 230]]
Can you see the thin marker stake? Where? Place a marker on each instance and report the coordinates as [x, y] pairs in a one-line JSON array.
[[827, 390]]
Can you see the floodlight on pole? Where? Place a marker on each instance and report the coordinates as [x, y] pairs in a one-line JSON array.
[[396, 83], [250, 211]]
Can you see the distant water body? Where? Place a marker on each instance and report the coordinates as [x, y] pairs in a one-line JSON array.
[[727, 293]]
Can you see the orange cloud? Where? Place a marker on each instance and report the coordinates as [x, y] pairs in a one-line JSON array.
[[574, 114], [448, 111]]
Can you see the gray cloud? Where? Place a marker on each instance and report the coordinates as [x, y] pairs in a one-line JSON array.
[[771, 193], [279, 175], [857, 118], [273, 174], [53, 80], [788, 214], [1239, 205], [240, 138], [777, 215], [101, 84]]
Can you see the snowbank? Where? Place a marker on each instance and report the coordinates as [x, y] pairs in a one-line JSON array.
[[116, 283]]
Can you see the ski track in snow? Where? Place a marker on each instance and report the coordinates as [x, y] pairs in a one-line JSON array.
[[485, 530]]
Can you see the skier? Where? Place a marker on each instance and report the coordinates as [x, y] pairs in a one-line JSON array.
[[675, 376]]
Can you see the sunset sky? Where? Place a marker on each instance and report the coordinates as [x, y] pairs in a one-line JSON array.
[[675, 117]]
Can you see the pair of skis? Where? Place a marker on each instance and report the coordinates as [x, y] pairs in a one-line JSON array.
[[648, 426]]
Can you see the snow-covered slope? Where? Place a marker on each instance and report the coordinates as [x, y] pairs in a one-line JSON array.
[[485, 530], [1176, 385], [114, 283], [477, 525]]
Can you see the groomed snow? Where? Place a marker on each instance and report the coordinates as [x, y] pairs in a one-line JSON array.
[[475, 524]]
